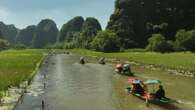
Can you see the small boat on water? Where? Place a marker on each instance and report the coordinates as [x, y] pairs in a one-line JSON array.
[[102, 61], [124, 69], [148, 96], [82, 60]]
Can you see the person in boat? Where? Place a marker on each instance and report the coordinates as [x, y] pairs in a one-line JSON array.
[[127, 68], [119, 68], [102, 60], [160, 93], [137, 89], [82, 60]]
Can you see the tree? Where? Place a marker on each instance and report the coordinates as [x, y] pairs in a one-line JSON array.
[[158, 43], [3, 44], [185, 40], [122, 24], [134, 21], [182, 38], [190, 43], [106, 41]]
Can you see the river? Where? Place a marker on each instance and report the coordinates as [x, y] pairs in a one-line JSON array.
[[64, 84]]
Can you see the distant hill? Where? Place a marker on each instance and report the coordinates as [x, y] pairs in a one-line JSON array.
[[89, 30], [79, 32], [9, 32], [45, 33], [72, 26], [25, 36]]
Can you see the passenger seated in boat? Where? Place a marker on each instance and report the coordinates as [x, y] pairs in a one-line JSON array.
[[119, 68], [137, 88], [127, 68], [160, 93]]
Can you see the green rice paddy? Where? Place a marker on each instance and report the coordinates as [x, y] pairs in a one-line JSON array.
[[17, 66]]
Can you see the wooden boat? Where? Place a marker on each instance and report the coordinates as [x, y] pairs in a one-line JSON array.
[[124, 69], [149, 97]]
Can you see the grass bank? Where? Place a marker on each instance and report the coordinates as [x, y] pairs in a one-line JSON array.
[[184, 61], [17, 66]]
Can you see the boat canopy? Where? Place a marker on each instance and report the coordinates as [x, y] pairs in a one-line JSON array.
[[137, 81], [152, 82], [132, 80]]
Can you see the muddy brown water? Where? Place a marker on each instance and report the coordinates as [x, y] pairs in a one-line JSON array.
[[71, 86]]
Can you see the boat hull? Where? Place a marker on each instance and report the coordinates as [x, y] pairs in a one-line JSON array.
[[153, 100]]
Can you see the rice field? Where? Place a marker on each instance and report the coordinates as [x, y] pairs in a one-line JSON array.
[[17, 66], [184, 61]]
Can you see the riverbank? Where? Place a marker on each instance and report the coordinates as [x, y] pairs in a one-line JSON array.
[[17, 69], [174, 63]]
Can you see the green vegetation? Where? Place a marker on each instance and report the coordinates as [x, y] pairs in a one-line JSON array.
[[18, 66], [106, 41], [160, 26], [3, 44], [79, 33], [184, 61], [134, 21], [25, 36], [185, 40], [90, 28], [157, 43], [72, 26]]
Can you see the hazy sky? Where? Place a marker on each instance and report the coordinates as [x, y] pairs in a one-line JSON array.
[[28, 12]]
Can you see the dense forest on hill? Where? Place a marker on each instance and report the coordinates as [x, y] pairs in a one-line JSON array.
[[78, 33], [154, 25], [135, 21]]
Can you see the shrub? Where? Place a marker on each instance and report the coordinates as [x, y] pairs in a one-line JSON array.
[[106, 41], [158, 43], [3, 44], [185, 40], [19, 46]]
